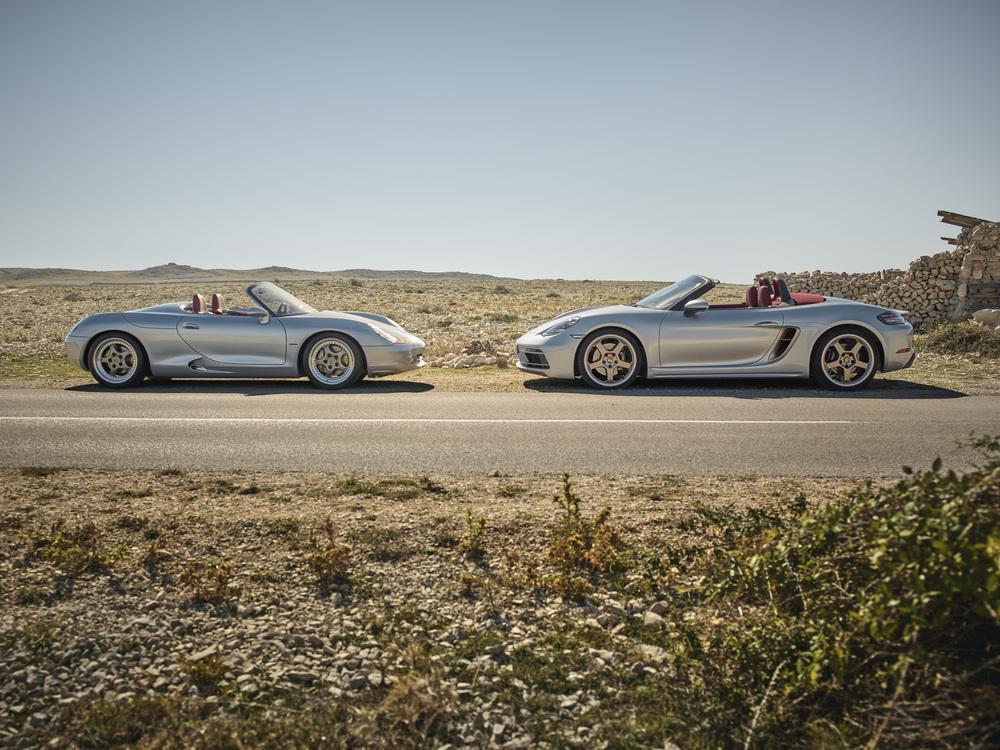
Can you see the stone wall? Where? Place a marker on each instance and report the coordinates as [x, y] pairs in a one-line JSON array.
[[950, 284]]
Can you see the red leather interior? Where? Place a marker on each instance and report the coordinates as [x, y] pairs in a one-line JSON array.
[[197, 304], [805, 298], [775, 289], [764, 296], [218, 307], [751, 297]]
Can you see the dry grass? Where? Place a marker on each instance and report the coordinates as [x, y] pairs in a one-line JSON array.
[[450, 314]]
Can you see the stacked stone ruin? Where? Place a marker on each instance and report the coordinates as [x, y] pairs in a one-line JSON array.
[[948, 285]]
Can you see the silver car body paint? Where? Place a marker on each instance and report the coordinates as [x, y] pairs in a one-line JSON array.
[[180, 343], [726, 342]]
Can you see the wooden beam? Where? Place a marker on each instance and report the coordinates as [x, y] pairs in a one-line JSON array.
[[950, 240], [959, 220]]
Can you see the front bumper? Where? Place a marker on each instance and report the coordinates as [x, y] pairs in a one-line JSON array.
[[74, 347], [395, 358], [551, 356]]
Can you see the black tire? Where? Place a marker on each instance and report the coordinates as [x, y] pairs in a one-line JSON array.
[[340, 345], [845, 359], [590, 368], [117, 360]]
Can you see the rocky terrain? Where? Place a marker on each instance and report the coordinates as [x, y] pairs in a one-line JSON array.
[[176, 608]]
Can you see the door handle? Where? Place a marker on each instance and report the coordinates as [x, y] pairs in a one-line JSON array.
[[191, 325], [767, 324]]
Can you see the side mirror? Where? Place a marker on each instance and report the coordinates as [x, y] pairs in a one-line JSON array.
[[695, 306], [263, 318]]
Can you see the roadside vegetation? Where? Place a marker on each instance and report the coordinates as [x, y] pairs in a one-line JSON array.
[[573, 612], [966, 338]]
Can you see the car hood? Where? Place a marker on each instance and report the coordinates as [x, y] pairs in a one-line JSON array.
[[585, 312]]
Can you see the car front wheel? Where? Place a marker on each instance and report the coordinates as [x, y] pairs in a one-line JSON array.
[[609, 359], [117, 360], [844, 360], [332, 362]]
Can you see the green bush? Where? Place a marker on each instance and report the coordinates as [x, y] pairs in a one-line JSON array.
[[868, 621], [967, 337]]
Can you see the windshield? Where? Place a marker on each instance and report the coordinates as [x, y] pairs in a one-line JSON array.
[[670, 295], [277, 301]]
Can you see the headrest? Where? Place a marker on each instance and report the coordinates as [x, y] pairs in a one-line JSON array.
[[217, 304], [782, 292], [198, 304], [764, 296], [751, 297]]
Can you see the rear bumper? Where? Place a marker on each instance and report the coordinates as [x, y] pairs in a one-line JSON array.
[[898, 345], [394, 359]]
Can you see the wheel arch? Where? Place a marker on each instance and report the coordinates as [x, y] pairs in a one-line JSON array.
[[853, 326], [304, 347], [612, 328], [117, 332]]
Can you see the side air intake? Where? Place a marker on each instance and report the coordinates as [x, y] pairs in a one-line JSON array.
[[785, 339]]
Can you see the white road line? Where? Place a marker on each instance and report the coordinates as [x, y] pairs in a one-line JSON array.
[[420, 420]]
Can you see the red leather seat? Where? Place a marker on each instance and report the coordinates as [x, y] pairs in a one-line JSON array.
[[751, 297], [197, 304], [218, 306], [764, 295]]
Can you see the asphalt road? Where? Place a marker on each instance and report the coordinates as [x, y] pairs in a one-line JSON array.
[[401, 427]]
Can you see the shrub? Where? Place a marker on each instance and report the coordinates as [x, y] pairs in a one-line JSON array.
[[331, 564], [966, 337], [579, 545], [357, 283], [209, 582], [871, 620], [117, 723], [206, 673], [471, 544], [75, 550]]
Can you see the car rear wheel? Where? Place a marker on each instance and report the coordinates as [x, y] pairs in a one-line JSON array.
[[117, 360], [333, 362], [844, 360], [609, 359]]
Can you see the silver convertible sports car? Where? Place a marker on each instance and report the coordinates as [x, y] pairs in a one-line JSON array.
[[276, 336], [674, 333]]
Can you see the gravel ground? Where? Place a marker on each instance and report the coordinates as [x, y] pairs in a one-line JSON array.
[[180, 609]]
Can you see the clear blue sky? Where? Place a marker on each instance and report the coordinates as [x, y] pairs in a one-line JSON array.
[[537, 139]]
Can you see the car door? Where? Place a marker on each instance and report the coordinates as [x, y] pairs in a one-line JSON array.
[[235, 339], [718, 337]]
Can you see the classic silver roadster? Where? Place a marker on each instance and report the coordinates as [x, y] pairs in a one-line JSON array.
[[276, 336], [674, 333]]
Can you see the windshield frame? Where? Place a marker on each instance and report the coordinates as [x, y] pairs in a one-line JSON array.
[[674, 302], [301, 308]]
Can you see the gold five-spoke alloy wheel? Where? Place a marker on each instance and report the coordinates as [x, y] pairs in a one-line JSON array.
[[609, 360], [848, 360]]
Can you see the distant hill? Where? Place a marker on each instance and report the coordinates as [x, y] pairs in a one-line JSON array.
[[176, 272]]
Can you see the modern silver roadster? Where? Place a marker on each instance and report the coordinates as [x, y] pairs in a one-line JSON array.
[[674, 333], [276, 336]]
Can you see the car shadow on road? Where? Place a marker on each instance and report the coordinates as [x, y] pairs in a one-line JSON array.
[[752, 389], [260, 387]]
